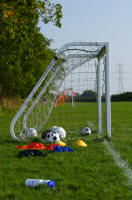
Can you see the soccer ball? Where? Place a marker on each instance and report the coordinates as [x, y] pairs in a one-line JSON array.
[[59, 130], [85, 131], [31, 132], [53, 128], [52, 137]]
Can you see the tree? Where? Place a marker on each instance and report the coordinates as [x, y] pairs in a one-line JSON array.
[[89, 95], [25, 53]]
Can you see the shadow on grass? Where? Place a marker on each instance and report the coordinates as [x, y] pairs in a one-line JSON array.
[[73, 187], [9, 140]]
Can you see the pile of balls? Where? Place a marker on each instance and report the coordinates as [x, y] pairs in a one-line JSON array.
[[54, 133]]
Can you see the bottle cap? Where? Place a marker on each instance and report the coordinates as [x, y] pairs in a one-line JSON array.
[[50, 184]]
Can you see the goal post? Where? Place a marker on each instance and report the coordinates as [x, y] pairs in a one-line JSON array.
[[82, 66], [107, 92]]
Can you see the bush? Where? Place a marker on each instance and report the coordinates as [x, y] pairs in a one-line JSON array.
[[126, 96]]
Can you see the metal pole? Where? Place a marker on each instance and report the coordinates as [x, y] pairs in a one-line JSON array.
[[19, 112], [99, 114], [107, 93]]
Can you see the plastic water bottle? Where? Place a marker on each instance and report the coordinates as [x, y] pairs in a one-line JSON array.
[[37, 182]]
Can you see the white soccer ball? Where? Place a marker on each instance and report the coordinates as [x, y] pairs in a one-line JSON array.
[[53, 128], [31, 132], [61, 131], [52, 137], [85, 131]]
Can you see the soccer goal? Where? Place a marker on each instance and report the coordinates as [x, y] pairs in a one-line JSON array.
[[70, 92]]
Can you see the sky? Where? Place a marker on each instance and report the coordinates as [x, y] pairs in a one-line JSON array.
[[98, 21]]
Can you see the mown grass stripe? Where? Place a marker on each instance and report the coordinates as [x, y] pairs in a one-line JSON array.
[[121, 163]]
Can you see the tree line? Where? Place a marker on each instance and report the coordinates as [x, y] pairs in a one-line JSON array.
[[24, 51], [91, 96], [125, 96]]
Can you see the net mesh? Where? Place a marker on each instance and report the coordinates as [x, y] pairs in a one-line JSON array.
[[67, 96]]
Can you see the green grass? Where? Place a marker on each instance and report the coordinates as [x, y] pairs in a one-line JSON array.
[[122, 129], [62, 116], [87, 173]]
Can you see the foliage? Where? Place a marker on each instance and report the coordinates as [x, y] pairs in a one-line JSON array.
[[126, 96], [25, 53], [89, 93], [86, 96]]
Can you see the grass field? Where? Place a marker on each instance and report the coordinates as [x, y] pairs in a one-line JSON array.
[[122, 129], [86, 174]]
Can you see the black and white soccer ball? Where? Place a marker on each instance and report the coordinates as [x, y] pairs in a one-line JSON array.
[[61, 131], [31, 132], [85, 131], [52, 137]]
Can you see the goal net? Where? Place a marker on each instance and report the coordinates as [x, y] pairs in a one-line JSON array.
[[69, 93]]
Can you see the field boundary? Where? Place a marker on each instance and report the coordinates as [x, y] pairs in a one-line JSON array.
[[120, 163]]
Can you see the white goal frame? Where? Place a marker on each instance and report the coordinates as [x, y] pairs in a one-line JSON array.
[[103, 52]]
